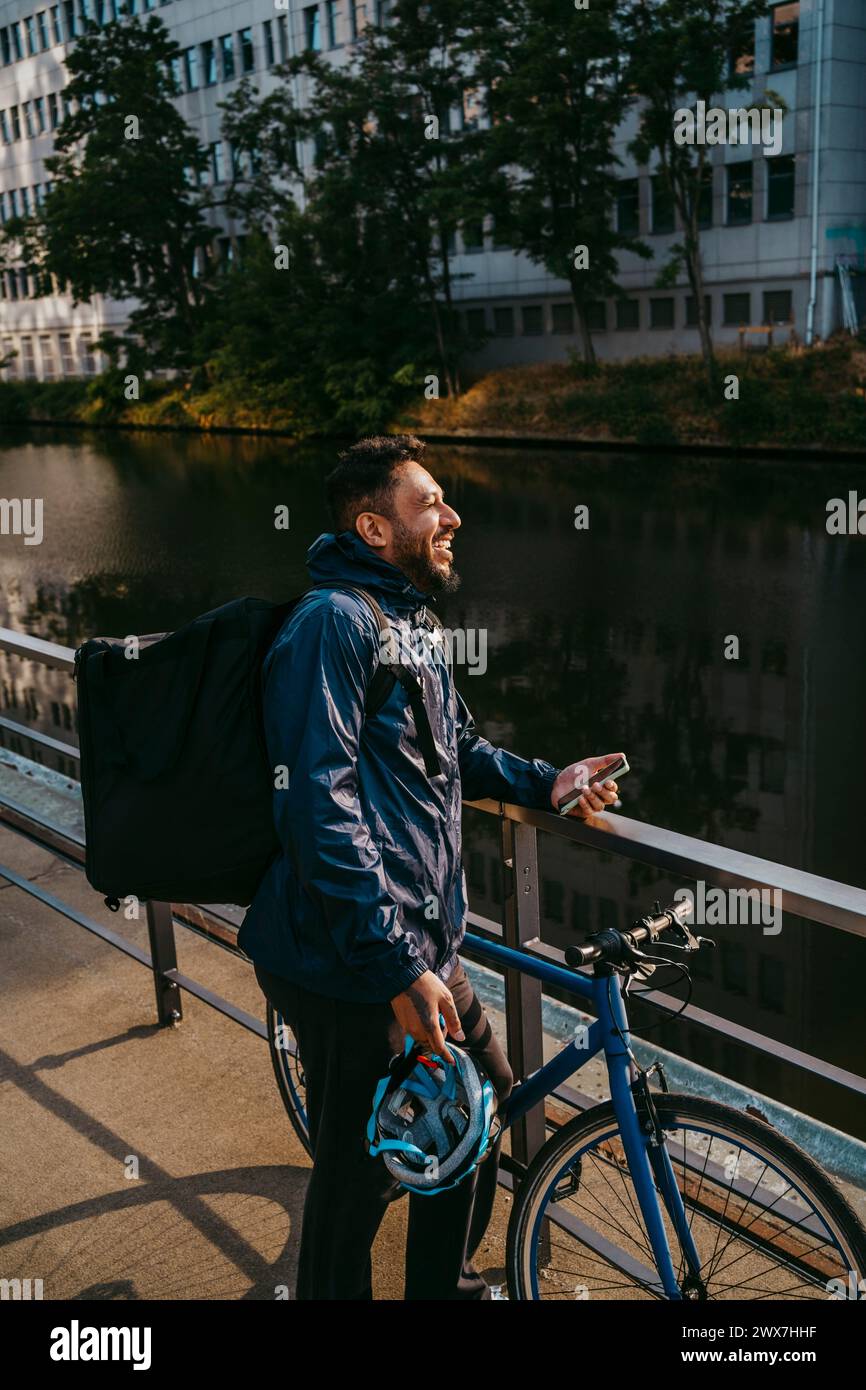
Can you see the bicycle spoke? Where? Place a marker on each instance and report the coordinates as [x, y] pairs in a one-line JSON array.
[[776, 1241]]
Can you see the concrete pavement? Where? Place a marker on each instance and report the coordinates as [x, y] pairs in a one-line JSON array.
[[140, 1162]]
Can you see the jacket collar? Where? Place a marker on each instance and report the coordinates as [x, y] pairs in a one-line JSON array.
[[345, 559]]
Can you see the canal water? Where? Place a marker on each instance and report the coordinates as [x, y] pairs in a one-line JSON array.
[[701, 618]]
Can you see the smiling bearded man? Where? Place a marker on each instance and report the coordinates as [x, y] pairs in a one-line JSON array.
[[341, 931]]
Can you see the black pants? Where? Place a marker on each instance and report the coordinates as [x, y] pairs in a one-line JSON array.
[[345, 1048]]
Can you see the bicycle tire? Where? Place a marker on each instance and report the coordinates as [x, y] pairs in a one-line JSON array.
[[287, 1093], [786, 1156]]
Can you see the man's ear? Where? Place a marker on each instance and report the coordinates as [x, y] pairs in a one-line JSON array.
[[373, 528]]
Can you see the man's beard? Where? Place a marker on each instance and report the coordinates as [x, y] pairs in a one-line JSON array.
[[412, 556]]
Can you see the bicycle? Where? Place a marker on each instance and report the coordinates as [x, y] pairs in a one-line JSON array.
[[652, 1194]]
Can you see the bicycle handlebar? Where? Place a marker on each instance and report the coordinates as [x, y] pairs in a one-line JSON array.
[[608, 945]]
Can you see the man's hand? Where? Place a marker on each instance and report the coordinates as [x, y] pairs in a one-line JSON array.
[[595, 797], [418, 1008]]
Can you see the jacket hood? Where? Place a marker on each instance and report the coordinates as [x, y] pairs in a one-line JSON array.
[[346, 559]]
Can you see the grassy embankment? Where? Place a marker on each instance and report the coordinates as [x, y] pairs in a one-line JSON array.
[[786, 398]]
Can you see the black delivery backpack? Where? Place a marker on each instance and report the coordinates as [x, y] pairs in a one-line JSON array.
[[175, 779]]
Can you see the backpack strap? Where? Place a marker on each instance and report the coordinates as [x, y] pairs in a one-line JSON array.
[[383, 678]]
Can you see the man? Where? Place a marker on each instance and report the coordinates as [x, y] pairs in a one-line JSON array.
[[356, 926]]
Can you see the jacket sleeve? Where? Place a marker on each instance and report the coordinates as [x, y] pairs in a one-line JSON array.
[[314, 707], [487, 771]]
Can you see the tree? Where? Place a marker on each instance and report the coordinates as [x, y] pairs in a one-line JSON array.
[[385, 158], [125, 214], [555, 97], [679, 52]]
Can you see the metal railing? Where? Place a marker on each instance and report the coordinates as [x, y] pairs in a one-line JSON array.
[[836, 905]]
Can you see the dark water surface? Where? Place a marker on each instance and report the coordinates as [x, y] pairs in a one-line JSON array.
[[599, 639]]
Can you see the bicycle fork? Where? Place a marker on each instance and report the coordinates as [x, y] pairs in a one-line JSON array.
[[645, 1148]]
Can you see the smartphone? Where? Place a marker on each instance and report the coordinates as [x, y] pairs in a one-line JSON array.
[[617, 767]]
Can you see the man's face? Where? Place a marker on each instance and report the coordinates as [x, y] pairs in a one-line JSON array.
[[417, 536]]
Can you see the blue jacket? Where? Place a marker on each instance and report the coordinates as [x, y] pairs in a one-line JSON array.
[[369, 891]]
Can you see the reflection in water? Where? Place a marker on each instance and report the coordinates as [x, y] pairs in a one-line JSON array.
[[598, 639]]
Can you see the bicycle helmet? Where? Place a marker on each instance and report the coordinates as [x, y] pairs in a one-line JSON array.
[[431, 1121]]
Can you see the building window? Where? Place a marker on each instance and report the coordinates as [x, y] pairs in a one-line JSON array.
[[245, 39], [739, 194], [15, 118], [692, 310], [312, 36], [331, 20], [738, 309], [662, 205], [32, 45], [705, 198], [268, 32], [27, 357], [773, 771], [17, 45], [28, 118], [227, 56], [12, 365], [357, 17], [190, 69], [88, 356], [533, 319], [741, 64], [500, 241], [733, 968], [56, 26], [503, 322], [217, 163], [53, 110], [49, 364], [42, 21], [771, 984], [208, 64], [4, 127], [283, 34], [5, 48], [661, 313], [596, 315], [563, 318], [473, 237], [553, 899], [476, 322], [786, 35], [780, 187], [67, 361], [628, 314], [628, 206], [777, 306]]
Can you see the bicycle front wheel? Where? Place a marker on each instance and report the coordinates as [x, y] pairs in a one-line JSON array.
[[289, 1073], [767, 1222]]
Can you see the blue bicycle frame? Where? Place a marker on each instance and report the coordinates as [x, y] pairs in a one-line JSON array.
[[649, 1162]]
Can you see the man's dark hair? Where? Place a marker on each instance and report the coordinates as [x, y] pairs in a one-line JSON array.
[[364, 478]]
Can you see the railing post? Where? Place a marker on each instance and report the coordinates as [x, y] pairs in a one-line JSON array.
[[521, 923], [160, 929]]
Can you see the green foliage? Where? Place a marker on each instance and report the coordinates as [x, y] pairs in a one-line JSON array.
[[555, 96], [124, 217]]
